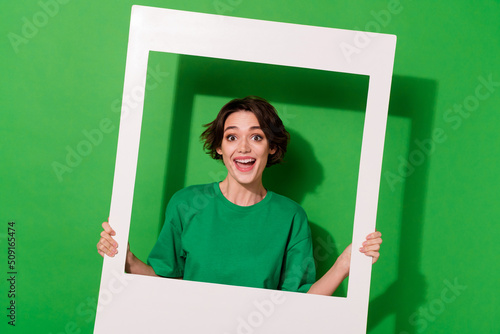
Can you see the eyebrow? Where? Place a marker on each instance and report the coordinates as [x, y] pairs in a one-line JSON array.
[[235, 127]]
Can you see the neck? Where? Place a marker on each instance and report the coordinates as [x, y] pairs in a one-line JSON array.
[[242, 194]]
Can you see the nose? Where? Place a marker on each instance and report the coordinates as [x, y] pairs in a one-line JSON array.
[[243, 146]]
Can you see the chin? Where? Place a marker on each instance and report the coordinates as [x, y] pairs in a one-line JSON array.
[[246, 180]]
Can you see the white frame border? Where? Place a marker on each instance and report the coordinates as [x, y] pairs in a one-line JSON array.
[[141, 304]]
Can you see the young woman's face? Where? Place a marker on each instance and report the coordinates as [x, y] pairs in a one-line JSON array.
[[244, 148]]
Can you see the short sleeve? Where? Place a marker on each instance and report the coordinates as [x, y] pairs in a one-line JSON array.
[[167, 257], [299, 271]]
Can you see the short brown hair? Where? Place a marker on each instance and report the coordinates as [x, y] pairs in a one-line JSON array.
[[269, 121]]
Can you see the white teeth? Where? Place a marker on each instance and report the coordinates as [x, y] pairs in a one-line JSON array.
[[245, 161]]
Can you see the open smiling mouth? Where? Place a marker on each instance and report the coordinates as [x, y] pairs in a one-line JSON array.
[[244, 165]]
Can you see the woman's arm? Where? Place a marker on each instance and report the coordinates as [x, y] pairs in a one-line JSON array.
[[135, 266], [107, 245], [330, 281]]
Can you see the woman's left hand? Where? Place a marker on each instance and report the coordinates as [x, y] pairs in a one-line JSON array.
[[327, 284], [371, 245]]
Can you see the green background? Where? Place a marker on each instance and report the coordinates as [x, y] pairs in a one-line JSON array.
[[62, 72]]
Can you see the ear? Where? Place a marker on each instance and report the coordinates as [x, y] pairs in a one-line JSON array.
[[272, 150], [218, 150]]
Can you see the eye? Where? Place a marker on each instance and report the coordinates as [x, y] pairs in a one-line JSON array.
[[231, 137], [257, 137]]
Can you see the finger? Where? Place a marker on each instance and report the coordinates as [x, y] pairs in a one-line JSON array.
[[108, 228], [107, 237], [106, 244], [374, 235], [370, 252], [375, 258], [108, 251], [371, 248], [101, 249], [369, 242], [374, 255], [106, 247]]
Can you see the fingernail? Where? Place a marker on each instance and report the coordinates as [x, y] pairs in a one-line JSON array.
[[361, 249]]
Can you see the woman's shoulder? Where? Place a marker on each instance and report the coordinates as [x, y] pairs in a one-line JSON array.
[[194, 192], [195, 189], [287, 204]]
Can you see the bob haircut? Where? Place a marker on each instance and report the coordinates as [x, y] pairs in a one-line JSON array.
[[269, 121]]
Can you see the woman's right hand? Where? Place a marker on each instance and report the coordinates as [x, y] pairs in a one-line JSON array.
[[107, 245]]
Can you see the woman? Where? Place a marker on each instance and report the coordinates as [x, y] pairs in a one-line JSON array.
[[236, 231]]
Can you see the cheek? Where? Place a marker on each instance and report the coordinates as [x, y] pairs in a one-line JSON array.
[[264, 152], [227, 146]]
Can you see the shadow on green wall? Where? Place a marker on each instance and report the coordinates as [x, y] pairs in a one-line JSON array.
[[412, 98], [298, 175]]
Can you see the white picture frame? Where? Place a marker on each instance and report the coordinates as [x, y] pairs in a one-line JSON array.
[[143, 304]]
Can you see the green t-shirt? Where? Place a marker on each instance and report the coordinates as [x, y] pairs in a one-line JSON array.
[[207, 238]]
